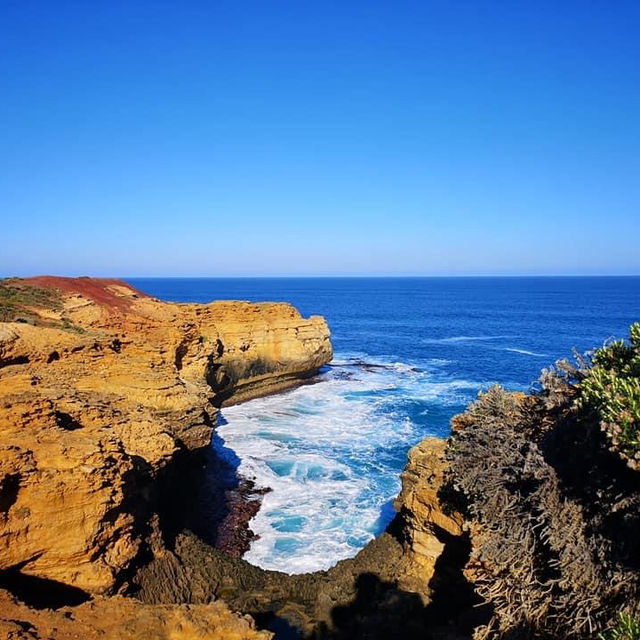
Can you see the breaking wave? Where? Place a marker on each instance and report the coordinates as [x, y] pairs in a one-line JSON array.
[[332, 453]]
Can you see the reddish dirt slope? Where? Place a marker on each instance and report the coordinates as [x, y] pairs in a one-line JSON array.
[[96, 289]]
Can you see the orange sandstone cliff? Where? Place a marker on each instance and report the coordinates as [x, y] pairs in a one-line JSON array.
[[108, 403], [101, 388], [119, 618]]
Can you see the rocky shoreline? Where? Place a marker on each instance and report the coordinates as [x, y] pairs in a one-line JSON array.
[[234, 535], [108, 400], [118, 519], [394, 575], [112, 397]]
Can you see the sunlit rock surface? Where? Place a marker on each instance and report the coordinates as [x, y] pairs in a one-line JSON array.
[[119, 618], [106, 398], [100, 388]]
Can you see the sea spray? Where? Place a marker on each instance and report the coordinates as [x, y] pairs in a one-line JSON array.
[[332, 453]]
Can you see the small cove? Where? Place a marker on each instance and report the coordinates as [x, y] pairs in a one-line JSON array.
[[409, 354]]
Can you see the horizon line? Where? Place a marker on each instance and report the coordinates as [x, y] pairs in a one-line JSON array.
[[336, 276]]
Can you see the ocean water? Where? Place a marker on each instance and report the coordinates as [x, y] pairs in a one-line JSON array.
[[409, 354]]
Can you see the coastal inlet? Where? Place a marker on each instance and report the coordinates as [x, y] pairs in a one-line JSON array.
[[330, 454]]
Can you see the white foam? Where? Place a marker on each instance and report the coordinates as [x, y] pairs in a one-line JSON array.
[[451, 339], [331, 453], [526, 352]]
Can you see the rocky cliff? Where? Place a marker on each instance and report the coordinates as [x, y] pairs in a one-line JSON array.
[[103, 391], [407, 583], [523, 524], [119, 618], [108, 401]]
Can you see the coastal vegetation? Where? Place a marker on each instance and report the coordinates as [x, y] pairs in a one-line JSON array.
[[22, 301], [611, 389], [549, 487], [627, 628], [17, 300]]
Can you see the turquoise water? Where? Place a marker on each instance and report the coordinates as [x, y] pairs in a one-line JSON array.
[[409, 354]]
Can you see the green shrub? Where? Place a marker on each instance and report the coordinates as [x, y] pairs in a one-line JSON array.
[[628, 628], [17, 298], [612, 391]]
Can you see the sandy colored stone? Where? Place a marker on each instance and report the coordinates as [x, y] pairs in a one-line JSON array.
[[99, 395], [118, 618], [425, 518], [100, 392]]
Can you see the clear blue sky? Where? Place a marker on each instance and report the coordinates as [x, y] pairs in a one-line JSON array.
[[299, 137]]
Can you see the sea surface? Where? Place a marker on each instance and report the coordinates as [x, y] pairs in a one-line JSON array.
[[409, 354]]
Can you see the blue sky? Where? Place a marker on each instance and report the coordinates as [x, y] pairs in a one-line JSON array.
[[293, 138]]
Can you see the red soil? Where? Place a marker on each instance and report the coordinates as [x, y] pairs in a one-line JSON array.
[[95, 289]]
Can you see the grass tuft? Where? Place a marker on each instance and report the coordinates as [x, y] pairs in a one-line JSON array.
[[628, 628]]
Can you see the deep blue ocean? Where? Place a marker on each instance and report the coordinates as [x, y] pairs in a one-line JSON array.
[[409, 354]]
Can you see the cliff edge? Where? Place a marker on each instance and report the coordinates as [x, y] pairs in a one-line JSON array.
[[101, 389], [523, 524], [108, 402]]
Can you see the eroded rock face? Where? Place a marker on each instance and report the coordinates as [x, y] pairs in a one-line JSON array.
[[120, 618], [107, 397], [388, 590], [101, 389], [428, 523]]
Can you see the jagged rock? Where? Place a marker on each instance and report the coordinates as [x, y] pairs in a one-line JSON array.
[[385, 591], [427, 521], [108, 401], [101, 394], [119, 618]]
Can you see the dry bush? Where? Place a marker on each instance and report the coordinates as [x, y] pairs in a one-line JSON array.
[[553, 514]]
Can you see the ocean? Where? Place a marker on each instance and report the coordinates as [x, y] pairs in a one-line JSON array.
[[409, 354]]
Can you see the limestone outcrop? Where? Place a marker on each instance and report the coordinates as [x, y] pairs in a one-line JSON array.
[[119, 618], [390, 589], [102, 388], [108, 403], [427, 522]]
